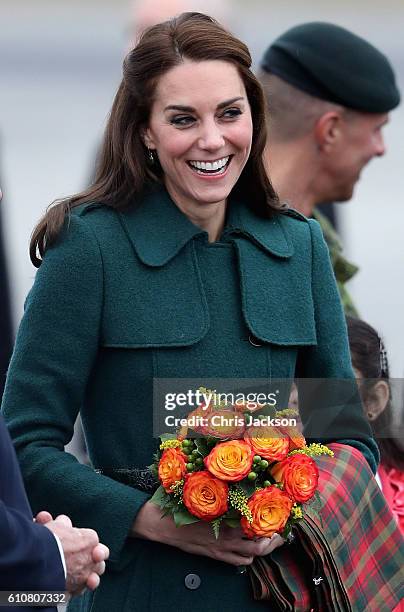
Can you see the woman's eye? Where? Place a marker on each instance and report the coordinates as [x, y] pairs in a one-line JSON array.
[[232, 113], [182, 120]]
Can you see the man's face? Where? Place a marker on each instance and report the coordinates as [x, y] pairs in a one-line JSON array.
[[361, 139]]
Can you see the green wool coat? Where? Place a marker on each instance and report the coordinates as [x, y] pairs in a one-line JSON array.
[[122, 298]]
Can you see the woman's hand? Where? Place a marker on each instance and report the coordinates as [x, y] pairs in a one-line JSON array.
[[198, 539]]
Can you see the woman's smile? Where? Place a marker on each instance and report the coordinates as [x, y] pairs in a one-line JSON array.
[[211, 169]]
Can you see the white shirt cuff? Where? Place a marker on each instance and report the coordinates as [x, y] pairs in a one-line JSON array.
[[62, 555]]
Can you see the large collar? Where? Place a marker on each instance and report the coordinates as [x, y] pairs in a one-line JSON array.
[[158, 229]]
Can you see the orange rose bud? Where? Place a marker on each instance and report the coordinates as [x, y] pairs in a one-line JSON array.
[[230, 460], [172, 467], [296, 439], [270, 443], [270, 509], [205, 496], [299, 476]]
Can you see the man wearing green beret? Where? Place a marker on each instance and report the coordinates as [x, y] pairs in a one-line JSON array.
[[329, 93]]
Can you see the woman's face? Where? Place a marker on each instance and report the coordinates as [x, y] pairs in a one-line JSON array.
[[201, 127]]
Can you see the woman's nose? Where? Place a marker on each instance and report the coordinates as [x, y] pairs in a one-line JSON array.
[[211, 136]]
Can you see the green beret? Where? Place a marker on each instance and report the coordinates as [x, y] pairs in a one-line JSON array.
[[334, 64]]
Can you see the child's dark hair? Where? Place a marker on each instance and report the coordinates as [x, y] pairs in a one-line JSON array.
[[369, 357]]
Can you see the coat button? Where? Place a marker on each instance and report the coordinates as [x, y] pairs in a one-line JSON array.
[[254, 341], [192, 581]]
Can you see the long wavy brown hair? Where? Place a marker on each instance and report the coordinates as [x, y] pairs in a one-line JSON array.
[[123, 168]]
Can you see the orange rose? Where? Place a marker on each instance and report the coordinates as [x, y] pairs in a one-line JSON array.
[[224, 424], [172, 467], [270, 509], [205, 496], [299, 476], [230, 461], [268, 442], [199, 414], [296, 439]]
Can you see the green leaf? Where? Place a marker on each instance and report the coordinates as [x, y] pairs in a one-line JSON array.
[[232, 513], [232, 522], [266, 410], [168, 436], [183, 517], [247, 486], [202, 446], [159, 497], [216, 527]]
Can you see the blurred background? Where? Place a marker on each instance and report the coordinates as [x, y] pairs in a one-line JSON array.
[[60, 64]]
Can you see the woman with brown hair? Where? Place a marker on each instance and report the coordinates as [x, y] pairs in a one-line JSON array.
[[178, 262]]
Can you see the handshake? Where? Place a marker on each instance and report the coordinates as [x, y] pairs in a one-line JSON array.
[[84, 555]]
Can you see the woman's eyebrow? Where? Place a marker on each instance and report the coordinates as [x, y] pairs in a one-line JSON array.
[[190, 109]]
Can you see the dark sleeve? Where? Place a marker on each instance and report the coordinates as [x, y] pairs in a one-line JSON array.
[[329, 400], [55, 350], [29, 554]]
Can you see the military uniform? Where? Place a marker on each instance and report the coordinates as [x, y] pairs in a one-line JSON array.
[[344, 270]]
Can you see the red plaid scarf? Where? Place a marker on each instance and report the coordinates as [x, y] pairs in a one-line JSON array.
[[352, 559]]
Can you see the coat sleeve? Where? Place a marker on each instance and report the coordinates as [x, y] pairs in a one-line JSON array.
[[29, 554], [55, 350], [329, 400]]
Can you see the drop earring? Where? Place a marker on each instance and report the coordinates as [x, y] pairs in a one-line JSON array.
[[152, 158]]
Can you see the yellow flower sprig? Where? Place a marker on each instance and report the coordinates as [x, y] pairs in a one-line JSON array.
[[177, 489], [238, 500], [296, 512], [174, 443], [315, 449], [216, 401], [287, 412]]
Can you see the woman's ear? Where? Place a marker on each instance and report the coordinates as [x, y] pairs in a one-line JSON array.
[[147, 138], [377, 399]]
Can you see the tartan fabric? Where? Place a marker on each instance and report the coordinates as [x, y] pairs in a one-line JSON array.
[[356, 547]]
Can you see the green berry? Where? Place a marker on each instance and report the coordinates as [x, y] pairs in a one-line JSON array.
[[264, 464], [186, 442], [257, 458], [252, 476], [199, 461], [267, 483], [190, 467], [186, 451]]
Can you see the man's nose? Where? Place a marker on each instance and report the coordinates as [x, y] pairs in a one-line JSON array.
[[380, 147], [211, 137]]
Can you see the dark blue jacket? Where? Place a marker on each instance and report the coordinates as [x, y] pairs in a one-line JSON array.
[[29, 554]]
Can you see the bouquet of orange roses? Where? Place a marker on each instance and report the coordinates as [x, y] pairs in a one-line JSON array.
[[243, 471]]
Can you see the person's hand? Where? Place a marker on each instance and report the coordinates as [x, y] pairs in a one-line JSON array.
[[84, 556], [43, 517], [198, 539]]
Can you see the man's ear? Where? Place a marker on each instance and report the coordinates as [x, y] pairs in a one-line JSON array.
[[328, 131], [377, 399]]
